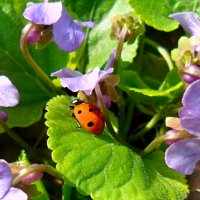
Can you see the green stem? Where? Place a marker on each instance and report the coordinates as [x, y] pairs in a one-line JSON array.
[[120, 47], [140, 53], [105, 114], [148, 126], [127, 119], [30, 60], [36, 168], [163, 52], [195, 6], [104, 111], [164, 138], [15, 137]]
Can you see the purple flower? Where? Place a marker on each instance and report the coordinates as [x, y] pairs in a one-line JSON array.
[[187, 54], [184, 154], [7, 192], [76, 81], [9, 95], [188, 21], [67, 33]]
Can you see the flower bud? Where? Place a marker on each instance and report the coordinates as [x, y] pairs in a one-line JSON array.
[[119, 22], [40, 35]]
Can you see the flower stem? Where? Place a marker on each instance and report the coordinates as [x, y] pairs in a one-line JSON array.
[[163, 52], [35, 168], [195, 6], [164, 138], [106, 116], [15, 137], [120, 47], [30, 60], [148, 126]]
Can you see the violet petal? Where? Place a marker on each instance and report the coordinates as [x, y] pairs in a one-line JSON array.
[[43, 13], [86, 82], [183, 155], [189, 21], [191, 99], [66, 73], [9, 95], [5, 178], [67, 34], [15, 194], [183, 113], [191, 125]]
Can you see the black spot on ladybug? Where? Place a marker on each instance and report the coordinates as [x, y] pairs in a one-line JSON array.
[[91, 109], [90, 124], [79, 111]]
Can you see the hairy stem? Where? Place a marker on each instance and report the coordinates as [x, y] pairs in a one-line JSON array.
[[163, 52], [35, 168], [105, 114], [164, 138], [120, 47], [148, 126], [30, 60]]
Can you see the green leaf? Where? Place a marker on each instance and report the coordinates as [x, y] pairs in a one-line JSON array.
[[155, 167], [156, 13], [33, 92], [131, 83], [101, 168], [98, 46]]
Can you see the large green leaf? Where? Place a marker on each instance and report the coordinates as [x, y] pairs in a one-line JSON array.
[[134, 86], [102, 168], [156, 13], [33, 91]]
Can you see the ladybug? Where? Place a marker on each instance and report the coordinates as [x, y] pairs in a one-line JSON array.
[[90, 117]]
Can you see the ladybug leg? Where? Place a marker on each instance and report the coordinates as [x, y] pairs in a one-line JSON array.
[[71, 107], [79, 126]]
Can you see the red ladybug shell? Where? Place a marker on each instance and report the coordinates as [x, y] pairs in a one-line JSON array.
[[90, 117]]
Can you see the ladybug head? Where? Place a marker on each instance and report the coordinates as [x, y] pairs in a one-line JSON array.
[[76, 101]]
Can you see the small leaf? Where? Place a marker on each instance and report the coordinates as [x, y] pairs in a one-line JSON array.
[[156, 13], [102, 168]]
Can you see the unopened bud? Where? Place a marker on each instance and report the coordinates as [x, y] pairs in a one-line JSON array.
[[131, 23], [40, 35]]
